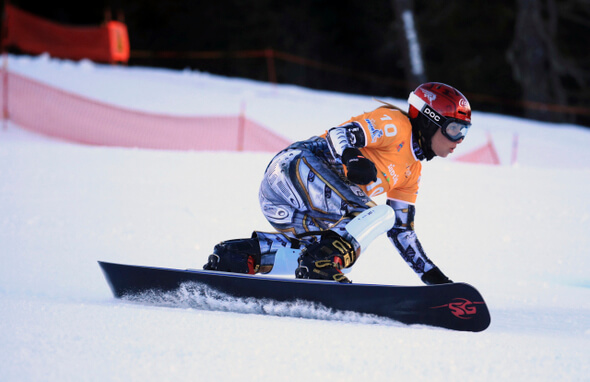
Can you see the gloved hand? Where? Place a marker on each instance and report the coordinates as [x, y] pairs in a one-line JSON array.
[[435, 276], [360, 169]]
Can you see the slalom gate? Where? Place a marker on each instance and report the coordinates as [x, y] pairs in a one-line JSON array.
[[485, 154]]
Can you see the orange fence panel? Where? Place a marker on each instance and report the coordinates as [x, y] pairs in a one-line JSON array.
[[35, 35], [43, 109], [486, 154]]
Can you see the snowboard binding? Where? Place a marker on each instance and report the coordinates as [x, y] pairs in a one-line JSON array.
[[238, 256], [325, 259]]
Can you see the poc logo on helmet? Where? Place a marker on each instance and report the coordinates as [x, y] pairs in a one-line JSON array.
[[432, 114]]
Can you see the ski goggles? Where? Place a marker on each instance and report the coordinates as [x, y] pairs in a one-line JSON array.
[[452, 128]]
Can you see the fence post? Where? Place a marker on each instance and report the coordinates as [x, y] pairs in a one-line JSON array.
[[241, 126], [270, 65], [5, 115]]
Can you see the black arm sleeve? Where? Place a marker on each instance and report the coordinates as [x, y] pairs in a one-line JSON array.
[[404, 238]]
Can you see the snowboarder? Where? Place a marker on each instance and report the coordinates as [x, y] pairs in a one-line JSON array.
[[317, 193]]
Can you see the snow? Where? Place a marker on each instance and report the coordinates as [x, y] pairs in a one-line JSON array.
[[518, 233]]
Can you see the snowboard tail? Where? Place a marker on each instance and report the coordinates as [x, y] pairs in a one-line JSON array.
[[456, 306]]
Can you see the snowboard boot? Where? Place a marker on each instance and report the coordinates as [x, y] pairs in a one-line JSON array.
[[238, 256], [324, 260]]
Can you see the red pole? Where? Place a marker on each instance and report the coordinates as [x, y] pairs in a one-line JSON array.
[[3, 34], [5, 115], [514, 148], [492, 150]]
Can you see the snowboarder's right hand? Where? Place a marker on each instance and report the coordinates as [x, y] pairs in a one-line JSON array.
[[360, 169]]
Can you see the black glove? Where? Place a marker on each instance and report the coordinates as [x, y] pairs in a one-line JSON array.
[[360, 169], [435, 276]]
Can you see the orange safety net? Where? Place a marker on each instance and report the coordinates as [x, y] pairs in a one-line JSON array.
[[486, 154], [44, 109], [35, 35]]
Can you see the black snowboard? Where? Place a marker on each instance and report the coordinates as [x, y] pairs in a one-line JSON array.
[[456, 306]]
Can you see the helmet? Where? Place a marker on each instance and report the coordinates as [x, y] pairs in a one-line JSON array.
[[444, 99], [436, 105]]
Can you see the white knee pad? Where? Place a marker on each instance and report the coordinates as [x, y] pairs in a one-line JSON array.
[[369, 224]]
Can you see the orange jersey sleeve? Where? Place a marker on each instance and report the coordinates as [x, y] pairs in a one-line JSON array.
[[388, 137]]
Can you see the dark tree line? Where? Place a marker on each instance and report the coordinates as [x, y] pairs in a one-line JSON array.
[[521, 57]]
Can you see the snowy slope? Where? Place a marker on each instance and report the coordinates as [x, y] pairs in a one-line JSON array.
[[520, 234]]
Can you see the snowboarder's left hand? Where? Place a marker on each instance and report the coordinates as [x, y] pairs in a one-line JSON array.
[[360, 169], [435, 276]]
